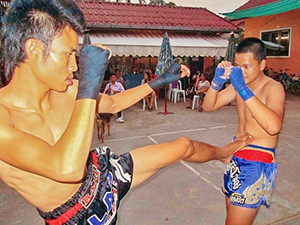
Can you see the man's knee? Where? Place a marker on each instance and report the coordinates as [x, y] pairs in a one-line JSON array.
[[186, 144]]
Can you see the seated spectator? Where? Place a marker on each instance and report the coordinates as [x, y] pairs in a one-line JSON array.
[[199, 88], [150, 98], [112, 88], [152, 74]]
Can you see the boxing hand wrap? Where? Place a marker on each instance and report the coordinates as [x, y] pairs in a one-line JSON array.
[[171, 74], [92, 64], [218, 82], [238, 82]]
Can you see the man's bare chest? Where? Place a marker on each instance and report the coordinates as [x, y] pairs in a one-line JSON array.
[[48, 126]]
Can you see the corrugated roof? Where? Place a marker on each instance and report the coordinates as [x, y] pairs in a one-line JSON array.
[[254, 3], [148, 42], [142, 16]]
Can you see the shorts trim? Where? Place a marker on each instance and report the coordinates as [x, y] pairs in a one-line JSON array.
[[257, 153]]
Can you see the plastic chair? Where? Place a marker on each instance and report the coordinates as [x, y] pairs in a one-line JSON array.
[[171, 88], [195, 101], [177, 91], [144, 103]]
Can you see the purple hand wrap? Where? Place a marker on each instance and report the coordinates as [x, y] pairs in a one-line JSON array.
[[238, 82], [171, 74], [218, 82], [92, 66]]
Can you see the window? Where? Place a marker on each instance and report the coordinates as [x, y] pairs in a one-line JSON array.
[[277, 42]]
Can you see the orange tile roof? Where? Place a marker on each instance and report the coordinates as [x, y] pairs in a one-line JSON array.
[[142, 16]]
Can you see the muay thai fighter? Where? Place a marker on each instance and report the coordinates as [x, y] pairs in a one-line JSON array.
[[249, 177], [47, 119]]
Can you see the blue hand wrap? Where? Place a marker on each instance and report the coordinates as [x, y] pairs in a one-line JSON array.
[[218, 82], [171, 74], [238, 82], [92, 66]]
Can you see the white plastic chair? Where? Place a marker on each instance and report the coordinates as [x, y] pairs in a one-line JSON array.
[[195, 101], [144, 103], [177, 91]]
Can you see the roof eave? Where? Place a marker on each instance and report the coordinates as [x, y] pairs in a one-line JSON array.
[[141, 27]]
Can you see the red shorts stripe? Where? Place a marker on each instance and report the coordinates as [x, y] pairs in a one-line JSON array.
[[254, 155], [95, 159], [66, 216]]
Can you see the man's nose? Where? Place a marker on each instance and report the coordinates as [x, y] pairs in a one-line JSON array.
[[73, 63]]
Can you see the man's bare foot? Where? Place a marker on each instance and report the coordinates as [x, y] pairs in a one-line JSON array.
[[229, 150]]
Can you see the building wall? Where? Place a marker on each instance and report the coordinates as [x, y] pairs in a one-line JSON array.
[[290, 19], [208, 65]]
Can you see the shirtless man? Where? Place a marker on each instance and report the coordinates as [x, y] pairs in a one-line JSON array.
[[47, 119], [249, 177]]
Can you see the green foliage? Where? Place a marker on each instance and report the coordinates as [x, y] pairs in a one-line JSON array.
[[171, 4], [161, 2]]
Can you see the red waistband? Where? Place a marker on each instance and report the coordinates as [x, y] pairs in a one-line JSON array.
[[255, 155]]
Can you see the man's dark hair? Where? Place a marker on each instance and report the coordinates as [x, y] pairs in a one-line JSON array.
[[40, 19], [254, 46]]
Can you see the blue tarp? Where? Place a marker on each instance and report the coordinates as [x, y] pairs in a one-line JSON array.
[[133, 80]]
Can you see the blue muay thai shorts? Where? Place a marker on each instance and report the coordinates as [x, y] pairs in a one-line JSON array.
[[249, 177]]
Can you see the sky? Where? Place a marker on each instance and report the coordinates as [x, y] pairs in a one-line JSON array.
[[216, 6]]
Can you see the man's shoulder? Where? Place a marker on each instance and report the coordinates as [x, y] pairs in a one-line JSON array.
[[270, 88], [271, 83]]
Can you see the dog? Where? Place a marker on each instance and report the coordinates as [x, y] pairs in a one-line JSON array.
[[103, 120]]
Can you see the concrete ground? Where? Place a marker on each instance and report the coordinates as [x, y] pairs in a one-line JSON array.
[[186, 193]]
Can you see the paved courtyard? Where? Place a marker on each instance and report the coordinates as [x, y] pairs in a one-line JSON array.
[[186, 193]]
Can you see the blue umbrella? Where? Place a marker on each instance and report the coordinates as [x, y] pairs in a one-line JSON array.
[[165, 59]]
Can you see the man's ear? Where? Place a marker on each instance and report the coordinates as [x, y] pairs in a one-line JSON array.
[[263, 64], [34, 49]]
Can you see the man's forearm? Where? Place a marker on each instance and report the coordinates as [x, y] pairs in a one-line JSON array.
[[210, 99], [260, 112], [123, 99], [67, 158]]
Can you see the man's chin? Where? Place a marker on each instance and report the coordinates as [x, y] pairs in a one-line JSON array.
[[61, 90]]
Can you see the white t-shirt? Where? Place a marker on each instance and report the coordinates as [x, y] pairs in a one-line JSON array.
[[114, 87]]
